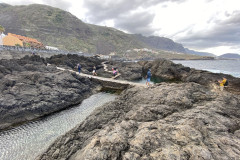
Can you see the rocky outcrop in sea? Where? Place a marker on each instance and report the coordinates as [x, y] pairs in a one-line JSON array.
[[166, 70], [167, 121], [30, 89]]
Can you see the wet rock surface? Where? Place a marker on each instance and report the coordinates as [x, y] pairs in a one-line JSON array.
[[167, 121], [30, 89], [169, 71]]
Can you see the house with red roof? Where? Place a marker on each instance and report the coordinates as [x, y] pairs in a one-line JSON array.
[[18, 40]]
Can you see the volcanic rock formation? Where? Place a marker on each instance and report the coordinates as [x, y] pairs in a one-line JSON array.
[[167, 121], [31, 89], [168, 71]]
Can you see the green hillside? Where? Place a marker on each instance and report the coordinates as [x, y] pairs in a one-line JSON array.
[[49, 25], [55, 27], [58, 28]]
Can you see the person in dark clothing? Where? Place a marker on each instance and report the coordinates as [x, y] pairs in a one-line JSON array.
[[79, 68], [149, 75]]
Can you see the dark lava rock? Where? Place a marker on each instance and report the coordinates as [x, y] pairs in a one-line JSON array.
[[165, 69], [167, 121], [169, 71], [30, 89], [130, 71], [70, 61]]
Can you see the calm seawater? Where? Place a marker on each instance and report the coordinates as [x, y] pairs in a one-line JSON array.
[[231, 67], [27, 141]]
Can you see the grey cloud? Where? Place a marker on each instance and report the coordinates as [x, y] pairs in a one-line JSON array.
[[120, 11], [224, 33], [102, 10], [136, 23], [235, 18], [155, 2]]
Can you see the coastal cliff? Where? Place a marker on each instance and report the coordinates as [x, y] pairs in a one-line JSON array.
[[167, 121]]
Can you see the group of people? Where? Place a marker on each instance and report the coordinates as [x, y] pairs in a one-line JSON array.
[[115, 72], [222, 83], [94, 72]]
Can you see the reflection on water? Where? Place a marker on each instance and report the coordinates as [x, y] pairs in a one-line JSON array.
[[26, 142]]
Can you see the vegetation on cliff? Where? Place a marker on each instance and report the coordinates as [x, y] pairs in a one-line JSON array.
[[2, 29], [58, 28]]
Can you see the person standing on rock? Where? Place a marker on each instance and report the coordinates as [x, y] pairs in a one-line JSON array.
[[149, 75], [222, 83], [94, 71], [79, 68]]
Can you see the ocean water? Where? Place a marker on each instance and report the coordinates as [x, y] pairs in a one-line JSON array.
[[231, 67]]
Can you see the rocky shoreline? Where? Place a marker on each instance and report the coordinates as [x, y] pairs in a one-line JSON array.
[[30, 90], [167, 121], [189, 119], [168, 71]]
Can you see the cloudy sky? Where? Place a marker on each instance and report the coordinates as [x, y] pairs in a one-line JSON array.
[[203, 25]]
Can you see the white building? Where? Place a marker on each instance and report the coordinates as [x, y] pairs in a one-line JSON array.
[[103, 56], [52, 48]]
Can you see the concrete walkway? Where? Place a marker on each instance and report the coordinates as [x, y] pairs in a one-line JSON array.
[[106, 70], [106, 79]]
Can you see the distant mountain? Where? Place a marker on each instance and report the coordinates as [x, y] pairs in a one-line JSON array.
[[230, 55], [58, 28], [4, 5], [161, 43], [188, 51]]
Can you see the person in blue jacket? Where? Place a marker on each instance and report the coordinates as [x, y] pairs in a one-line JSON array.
[[149, 75], [79, 68]]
